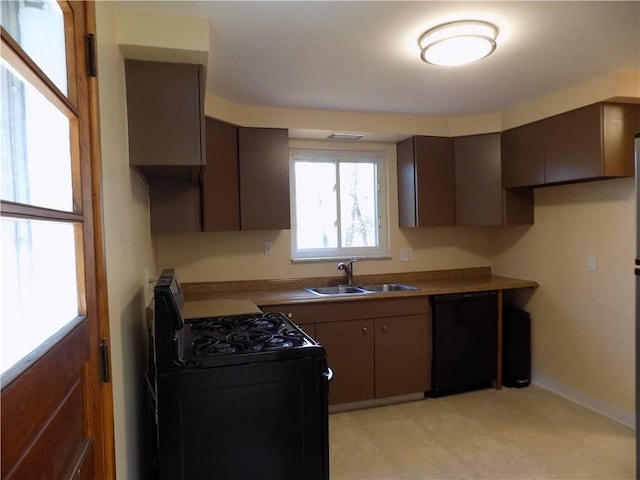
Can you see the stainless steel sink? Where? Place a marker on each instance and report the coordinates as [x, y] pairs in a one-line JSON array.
[[339, 290], [360, 289], [387, 287]]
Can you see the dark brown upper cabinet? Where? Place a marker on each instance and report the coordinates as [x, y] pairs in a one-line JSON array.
[[220, 186], [480, 198], [174, 207], [165, 110], [523, 156], [263, 155], [426, 191], [591, 142]]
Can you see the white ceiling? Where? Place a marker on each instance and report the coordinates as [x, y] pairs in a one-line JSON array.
[[363, 56]]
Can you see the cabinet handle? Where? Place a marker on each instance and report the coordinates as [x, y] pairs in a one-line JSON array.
[[365, 330], [384, 328]]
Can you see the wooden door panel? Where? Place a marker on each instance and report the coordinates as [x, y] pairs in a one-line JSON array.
[[522, 156], [349, 347], [264, 178], [42, 434], [574, 145], [220, 189], [435, 181], [478, 180], [402, 355]]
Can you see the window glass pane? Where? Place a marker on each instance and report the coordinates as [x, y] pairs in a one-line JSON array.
[[316, 206], [38, 27], [39, 285], [36, 159], [358, 193]]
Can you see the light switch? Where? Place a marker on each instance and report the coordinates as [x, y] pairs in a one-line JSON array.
[[592, 265], [268, 247]]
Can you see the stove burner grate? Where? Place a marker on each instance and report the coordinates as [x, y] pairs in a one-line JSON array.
[[243, 334]]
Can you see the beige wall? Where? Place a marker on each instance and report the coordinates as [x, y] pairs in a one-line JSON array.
[[582, 322], [128, 248]]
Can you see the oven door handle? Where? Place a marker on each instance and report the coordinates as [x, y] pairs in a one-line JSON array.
[[328, 375]]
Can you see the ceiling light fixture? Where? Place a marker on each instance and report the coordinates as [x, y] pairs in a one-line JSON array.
[[458, 43]]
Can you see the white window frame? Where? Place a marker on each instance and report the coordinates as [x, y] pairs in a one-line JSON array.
[[337, 155]]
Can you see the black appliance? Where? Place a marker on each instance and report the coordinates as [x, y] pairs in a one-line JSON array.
[[236, 397], [516, 348], [465, 339]]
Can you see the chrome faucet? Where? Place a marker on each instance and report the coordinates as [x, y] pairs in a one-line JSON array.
[[348, 270]]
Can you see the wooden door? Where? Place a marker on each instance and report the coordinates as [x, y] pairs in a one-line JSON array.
[[57, 419], [402, 355], [349, 347]]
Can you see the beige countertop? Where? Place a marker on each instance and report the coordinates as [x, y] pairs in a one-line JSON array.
[[288, 291]]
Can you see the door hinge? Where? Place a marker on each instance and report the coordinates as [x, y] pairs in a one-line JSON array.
[[92, 67], [104, 358]]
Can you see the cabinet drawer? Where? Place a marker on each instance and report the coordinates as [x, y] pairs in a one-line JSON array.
[[389, 307], [300, 314]]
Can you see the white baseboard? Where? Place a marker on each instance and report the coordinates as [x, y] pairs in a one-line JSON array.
[[618, 414]]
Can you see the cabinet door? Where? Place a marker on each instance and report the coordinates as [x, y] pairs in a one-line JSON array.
[[165, 119], [174, 207], [264, 178], [574, 145], [349, 347], [522, 152], [426, 192], [478, 180], [220, 189], [402, 355]]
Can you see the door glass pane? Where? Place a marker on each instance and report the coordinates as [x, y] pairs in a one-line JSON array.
[[39, 284], [36, 158], [38, 27], [358, 192], [316, 202]]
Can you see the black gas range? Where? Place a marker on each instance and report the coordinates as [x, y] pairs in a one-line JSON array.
[[235, 397]]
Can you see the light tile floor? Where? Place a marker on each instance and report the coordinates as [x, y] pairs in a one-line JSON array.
[[526, 433]]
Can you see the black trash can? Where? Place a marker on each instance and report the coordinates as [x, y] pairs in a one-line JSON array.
[[516, 348]]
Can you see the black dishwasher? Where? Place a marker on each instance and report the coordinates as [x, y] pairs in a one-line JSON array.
[[465, 342]]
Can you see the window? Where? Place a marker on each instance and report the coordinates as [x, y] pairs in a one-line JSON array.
[[42, 214], [338, 204]]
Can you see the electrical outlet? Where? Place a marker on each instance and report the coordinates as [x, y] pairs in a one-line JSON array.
[[592, 265], [406, 254], [268, 247]]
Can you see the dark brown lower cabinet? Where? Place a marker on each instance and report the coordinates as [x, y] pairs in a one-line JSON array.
[[376, 348], [377, 358], [402, 355], [350, 355]]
